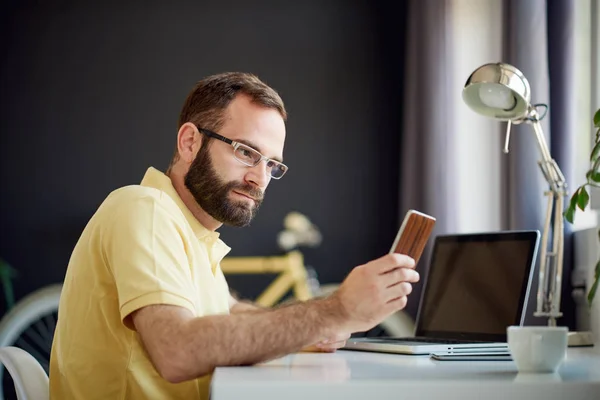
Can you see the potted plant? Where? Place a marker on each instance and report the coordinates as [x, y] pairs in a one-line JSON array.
[[581, 197], [6, 275]]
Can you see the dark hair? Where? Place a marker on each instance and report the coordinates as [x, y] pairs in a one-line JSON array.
[[205, 105]]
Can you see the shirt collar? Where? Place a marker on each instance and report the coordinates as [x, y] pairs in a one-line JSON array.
[[156, 179]]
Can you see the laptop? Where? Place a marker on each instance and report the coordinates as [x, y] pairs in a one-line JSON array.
[[477, 285]]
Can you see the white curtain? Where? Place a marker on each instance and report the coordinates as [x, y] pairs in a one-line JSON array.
[[427, 158], [537, 37]]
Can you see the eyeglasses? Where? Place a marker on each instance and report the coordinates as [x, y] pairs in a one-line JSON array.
[[249, 156]]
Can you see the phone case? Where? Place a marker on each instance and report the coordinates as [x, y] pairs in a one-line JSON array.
[[413, 234]]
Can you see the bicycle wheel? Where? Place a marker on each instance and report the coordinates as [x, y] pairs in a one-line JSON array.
[[30, 325]]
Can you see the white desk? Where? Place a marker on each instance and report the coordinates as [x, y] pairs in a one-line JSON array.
[[372, 376]]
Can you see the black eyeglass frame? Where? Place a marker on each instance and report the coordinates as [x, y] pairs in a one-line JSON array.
[[237, 145]]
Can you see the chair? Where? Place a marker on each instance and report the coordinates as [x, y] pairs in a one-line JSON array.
[[31, 381]]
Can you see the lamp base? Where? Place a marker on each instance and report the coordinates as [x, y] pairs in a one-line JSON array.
[[580, 339]]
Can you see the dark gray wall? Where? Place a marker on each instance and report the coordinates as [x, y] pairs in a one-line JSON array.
[[89, 98]]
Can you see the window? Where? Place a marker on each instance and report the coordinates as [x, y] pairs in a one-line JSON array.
[[587, 96]]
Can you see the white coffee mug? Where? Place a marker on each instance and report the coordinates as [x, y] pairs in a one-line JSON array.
[[537, 348]]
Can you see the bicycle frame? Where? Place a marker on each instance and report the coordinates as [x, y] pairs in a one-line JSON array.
[[291, 270]]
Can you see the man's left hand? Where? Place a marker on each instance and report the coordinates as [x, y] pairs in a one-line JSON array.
[[329, 345]]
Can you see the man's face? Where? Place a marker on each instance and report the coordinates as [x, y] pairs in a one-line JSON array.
[[229, 191], [213, 193]]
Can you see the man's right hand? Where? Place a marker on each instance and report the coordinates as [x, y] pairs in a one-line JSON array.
[[373, 291]]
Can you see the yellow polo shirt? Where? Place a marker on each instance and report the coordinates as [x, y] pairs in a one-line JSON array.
[[142, 247]]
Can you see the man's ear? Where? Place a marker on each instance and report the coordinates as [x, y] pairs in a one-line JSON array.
[[189, 141]]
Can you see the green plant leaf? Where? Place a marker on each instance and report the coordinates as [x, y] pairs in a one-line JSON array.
[[569, 213], [592, 292], [594, 176], [575, 197], [595, 152], [597, 119], [6, 273], [584, 198], [596, 165]]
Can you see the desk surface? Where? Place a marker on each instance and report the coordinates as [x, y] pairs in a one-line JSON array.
[[376, 376]]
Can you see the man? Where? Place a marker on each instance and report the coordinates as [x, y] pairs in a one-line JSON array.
[[145, 310]]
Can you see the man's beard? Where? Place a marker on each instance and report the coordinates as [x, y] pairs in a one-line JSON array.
[[212, 194]]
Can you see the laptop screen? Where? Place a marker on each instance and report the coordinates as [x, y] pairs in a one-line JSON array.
[[477, 285]]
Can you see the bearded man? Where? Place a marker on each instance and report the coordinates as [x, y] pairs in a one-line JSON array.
[[145, 311]]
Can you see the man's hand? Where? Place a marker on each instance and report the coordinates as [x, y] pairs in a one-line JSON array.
[[373, 291], [329, 345]]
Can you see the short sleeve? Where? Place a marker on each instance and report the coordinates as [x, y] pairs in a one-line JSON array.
[[145, 249]]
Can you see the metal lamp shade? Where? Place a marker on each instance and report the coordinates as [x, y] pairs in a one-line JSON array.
[[504, 85]]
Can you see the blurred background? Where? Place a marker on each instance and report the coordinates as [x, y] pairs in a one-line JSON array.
[[90, 93]]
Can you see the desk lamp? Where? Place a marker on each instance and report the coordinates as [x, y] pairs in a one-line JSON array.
[[502, 92]]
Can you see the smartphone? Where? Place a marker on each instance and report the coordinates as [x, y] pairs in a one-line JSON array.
[[472, 357], [413, 234]]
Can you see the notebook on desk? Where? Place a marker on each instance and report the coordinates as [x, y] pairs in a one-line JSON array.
[[476, 286]]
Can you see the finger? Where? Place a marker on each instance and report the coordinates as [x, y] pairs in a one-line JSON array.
[[401, 275], [332, 342], [327, 349], [339, 337], [338, 341], [332, 346], [312, 348], [338, 345], [392, 261], [399, 290], [335, 345], [397, 304]]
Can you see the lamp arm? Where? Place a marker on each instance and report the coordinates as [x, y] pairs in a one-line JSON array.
[[550, 169], [551, 262]]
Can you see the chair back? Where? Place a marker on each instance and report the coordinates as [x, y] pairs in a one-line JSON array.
[[31, 381]]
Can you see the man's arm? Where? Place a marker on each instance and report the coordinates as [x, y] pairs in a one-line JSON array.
[[240, 306], [327, 345], [184, 347]]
